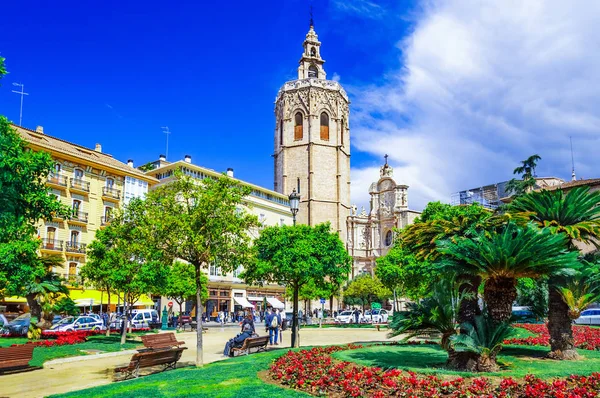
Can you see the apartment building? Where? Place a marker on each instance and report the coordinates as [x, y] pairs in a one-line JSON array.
[[227, 292]]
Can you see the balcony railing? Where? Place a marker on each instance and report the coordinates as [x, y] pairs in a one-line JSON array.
[[111, 193], [52, 244], [75, 247], [105, 220], [78, 216], [57, 179], [80, 185], [74, 279]]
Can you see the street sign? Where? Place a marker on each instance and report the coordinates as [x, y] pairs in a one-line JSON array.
[[170, 304], [322, 301]]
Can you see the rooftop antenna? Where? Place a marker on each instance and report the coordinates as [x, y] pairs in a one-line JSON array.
[[573, 176], [22, 93], [165, 130]]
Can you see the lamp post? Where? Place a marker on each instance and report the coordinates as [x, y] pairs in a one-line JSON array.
[[294, 203]]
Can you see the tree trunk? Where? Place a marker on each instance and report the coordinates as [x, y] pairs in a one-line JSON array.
[[125, 320], [295, 333], [466, 361], [562, 343], [499, 294], [199, 356], [34, 307], [469, 308], [395, 307], [108, 315]]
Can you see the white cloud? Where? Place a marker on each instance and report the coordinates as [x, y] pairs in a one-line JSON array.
[[482, 86], [363, 8]]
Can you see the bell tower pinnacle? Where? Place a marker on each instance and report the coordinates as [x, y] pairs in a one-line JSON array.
[[312, 141]]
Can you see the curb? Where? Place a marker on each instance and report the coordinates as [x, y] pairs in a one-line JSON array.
[[87, 357]]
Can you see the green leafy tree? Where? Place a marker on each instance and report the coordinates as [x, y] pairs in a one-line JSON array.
[[527, 172], [575, 215], [181, 284], [66, 306], [533, 293], [297, 255], [502, 258], [43, 292], [202, 223], [366, 290], [404, 275]]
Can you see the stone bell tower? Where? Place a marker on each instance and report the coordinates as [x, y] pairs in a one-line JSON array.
[[312, 141]]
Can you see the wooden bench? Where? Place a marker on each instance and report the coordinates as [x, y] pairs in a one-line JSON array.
[[16, 358], [160, 341], [251, 345], [147, 359]]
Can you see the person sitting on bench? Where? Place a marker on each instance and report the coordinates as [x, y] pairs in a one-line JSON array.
[[238, 340], [248, 320]]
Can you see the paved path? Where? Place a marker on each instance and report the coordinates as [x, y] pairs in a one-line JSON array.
[[65, 377]]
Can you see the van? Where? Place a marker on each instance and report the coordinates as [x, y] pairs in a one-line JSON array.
[[144, 318]]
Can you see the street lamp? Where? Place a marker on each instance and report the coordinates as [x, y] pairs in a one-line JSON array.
[[294, 202]]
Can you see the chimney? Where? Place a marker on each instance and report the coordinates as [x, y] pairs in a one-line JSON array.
[[187, 159], [98, 148], [162, 158], [130, 163], [230, 172], [39, 129]]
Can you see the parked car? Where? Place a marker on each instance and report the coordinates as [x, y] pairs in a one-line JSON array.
[[523, 315], [72, 323], [18, 326], [376, 315], [56, 319], [145, 318], [3, 320], [589, 317], [349, 317]]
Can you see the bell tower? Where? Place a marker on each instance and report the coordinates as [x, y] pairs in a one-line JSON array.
[[312, 141]]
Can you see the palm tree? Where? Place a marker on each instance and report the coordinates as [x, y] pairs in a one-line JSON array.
[[43, 291], [501, 258], [576, 216], [527, 172]]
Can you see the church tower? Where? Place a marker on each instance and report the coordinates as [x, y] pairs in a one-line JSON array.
[[312, 141]]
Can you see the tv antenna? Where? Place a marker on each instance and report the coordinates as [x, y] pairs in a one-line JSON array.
[[167, 132], [22, 93], [573, 176]]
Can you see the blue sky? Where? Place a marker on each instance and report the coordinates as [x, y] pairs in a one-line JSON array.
[[457, 92]]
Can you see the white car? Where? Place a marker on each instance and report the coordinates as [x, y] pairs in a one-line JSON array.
[[71, 323], [349, 317], [377, 316], [589, 317]]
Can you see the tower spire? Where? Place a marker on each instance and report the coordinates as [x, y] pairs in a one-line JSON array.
[[312, 24], [311, 63]]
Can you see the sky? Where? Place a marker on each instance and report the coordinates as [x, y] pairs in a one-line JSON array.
[[456, 92]]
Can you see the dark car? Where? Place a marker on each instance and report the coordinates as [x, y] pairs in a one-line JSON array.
[[19, 326]]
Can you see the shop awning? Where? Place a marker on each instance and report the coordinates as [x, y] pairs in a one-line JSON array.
[[254, 298], [275, 303], [14, 300], [243, 302], [83, 298]]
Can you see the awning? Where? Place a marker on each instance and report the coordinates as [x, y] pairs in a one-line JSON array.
[[243, 302], [14, 300], [275, 303], [254, 298], [83, 298]]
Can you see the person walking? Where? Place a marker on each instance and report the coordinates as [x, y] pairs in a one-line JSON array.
[[272, 322]]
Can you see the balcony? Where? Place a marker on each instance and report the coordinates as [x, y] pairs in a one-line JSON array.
[[111, 194], [52, 245], [104, 221], [74, 280], [78, 217], [57, 181], [78, 185], [75, 248]]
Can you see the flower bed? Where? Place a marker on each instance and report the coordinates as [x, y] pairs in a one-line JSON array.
[[315, 372], [586, 338]]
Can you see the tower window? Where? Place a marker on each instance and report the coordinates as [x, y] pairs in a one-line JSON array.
[[324, 126], [281, 132], [298, 126], [313, 71], [313, 52]]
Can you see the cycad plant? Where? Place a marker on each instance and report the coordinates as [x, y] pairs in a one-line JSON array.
[[582, 289], [483, 338], [575, 215], [503, 257]]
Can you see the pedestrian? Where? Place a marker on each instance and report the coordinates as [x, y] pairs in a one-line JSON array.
[[237, 341], [248, 320], [272, 323], [281, 320], [175, 320], [355, 316]]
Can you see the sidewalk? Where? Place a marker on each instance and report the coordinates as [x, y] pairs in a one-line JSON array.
[[71, 376]]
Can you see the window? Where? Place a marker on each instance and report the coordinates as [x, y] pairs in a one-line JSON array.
[[282, 222], [110, 183], [262, 219], [72, 269], [342, 130], [237, 271], [281, 132], [313, 71], [389, 238], [298, 126], [324, 126], [78, 174], [76, 206], [50, 236], [298, 186], [57, 168], [313, 52], [74, 238], [214, 270]]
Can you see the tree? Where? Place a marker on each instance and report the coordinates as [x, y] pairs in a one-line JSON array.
[[366, 290], [527, 181], [44, 291], [576, 215], [404, 275], [533, 293], [181, 284], [202, 223], [297, 255], [501, 258]]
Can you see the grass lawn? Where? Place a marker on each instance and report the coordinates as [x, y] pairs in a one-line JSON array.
[[235, 377], [517, 361], [8, 341]]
